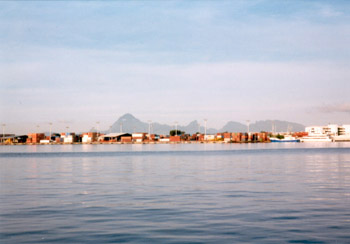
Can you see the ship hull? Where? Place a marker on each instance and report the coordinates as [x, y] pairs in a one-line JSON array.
[[283, 140]]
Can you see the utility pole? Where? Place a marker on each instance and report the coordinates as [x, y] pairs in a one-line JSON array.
[[3, 132], [98, 127], [205, 128], [149, 130], [175, 128], [50, 130]]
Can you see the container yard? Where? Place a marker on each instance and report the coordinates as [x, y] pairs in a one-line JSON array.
[[331, 133]]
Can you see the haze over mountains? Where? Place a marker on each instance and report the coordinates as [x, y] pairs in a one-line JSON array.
[[128, 123]]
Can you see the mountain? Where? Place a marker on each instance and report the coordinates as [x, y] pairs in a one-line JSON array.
[[232, 126], [128, 123], [194, 127], [263, 125], [279, 126]]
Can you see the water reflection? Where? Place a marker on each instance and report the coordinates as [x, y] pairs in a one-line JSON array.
[[222, 193]]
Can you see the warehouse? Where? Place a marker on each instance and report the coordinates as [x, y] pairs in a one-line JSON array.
[[113, 137]]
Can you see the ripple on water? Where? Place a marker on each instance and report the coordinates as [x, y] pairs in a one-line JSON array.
[[232, 196]]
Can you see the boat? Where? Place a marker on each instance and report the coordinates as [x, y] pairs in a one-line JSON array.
[[320, 138], [285, 139], [341, 138]]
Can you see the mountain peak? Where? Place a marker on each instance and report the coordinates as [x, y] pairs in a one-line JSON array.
[[127, 116], [193, 123], [128, 123]]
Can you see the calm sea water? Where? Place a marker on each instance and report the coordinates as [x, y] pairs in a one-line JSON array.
[[203, 193]]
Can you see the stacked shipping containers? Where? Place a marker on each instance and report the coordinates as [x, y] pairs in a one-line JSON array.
[[35, 137]]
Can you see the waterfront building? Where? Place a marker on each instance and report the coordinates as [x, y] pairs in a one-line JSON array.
[[316, 130], [126, 139], [89, 137], [11, 138], [227, 137], [331, 132], [219, 136], [209, 137], [68, 137], [343, 133], [138, 137], [164, 138], [344, 130], [114, 137]]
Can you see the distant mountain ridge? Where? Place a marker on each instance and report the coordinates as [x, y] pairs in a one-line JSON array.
[[128, 123]]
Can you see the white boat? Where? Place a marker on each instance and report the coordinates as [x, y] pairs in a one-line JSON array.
[[341, 138], [320, 138], [285, 139]]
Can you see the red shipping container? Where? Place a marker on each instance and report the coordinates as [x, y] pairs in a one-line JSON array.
[[175, 138]]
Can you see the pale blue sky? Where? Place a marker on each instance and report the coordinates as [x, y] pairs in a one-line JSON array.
[[75, 63]]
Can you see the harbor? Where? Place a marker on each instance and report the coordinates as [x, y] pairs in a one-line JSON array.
[[330, 133]]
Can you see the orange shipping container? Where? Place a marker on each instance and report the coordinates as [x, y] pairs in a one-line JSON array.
[[175, 138]]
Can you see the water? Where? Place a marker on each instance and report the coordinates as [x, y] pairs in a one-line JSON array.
[[186, 193]]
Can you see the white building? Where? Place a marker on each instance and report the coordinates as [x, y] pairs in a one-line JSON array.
[[86, 139], [164, 139], [138, 137], [329, 130], [316, 130], [333, 131], [344, 130], [68, 138], [209, 137]]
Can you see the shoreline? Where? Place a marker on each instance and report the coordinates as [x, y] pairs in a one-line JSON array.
[[129, 143]]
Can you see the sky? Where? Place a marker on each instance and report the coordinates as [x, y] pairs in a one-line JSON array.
[[76, 63]]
